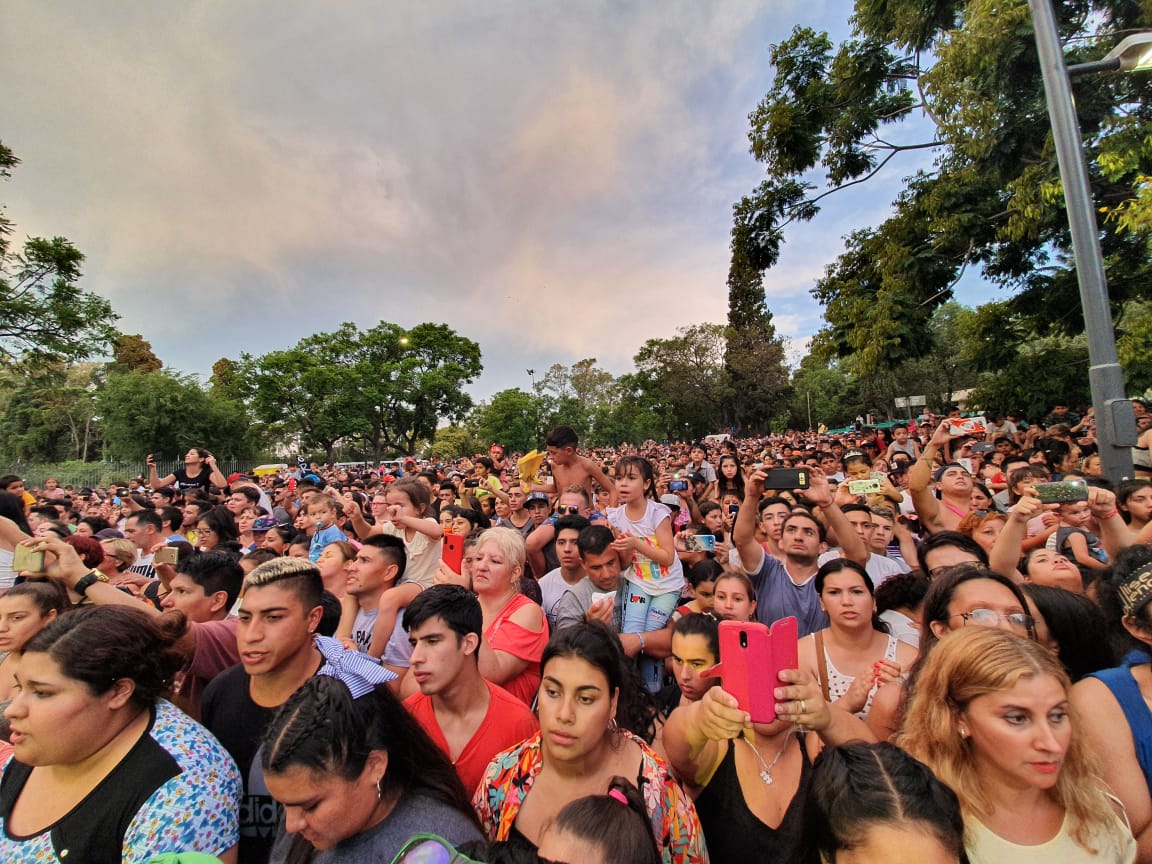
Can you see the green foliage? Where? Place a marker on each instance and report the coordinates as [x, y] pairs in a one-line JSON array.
[[831, 393], [992, 196], [50, 413], [166, 413], [684, 381], [452, 442], [512, 418], [44, 315], [1043, 373], [1134, 346], [385, 388]]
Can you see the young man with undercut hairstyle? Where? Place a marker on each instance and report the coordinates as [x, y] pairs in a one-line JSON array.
[[279, 614], [469, 718]]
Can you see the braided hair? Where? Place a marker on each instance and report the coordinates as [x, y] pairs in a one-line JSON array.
[[322, 728]]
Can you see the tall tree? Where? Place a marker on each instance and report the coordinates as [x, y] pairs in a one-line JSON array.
[[965, 75], [685, 380], [131, 352], [44, 315], [753, 353]]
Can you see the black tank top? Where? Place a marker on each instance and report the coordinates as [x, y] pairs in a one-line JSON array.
[[734, 833]]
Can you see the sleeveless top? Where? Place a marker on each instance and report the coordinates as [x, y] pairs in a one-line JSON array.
[[1127, 692], [838, 682], [734, 833]]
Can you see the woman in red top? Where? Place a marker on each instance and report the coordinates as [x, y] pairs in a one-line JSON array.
[[515, 630]]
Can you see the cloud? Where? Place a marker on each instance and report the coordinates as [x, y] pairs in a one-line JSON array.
[[553, 180]]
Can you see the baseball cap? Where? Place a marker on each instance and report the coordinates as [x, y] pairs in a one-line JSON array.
[[264, 523], [670, 500], [940, 471], [537, 496]]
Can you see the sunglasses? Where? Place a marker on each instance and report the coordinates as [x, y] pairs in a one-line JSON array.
[[568, 509], [430, 849]]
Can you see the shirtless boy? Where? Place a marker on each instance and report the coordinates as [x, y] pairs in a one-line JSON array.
[[571, 469]]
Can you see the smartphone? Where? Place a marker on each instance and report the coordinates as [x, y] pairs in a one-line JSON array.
[[1062, 491], [958, 426], [751, 659], [167, 555], [699, 543], [871, 486], [733, 509], [983, 447], [453, 552], [24, 560], [471, 483], [787, 478], [678, 486]]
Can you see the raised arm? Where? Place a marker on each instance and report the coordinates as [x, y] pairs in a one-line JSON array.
[[744, 531], [920, 481]]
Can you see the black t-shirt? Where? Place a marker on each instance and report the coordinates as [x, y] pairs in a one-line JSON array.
[[94, 831], [200, 481], [229, 713]]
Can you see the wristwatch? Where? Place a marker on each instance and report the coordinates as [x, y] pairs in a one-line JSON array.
[[87, 581]]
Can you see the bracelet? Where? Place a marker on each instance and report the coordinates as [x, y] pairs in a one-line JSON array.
[[1110, 515], [641, 638]]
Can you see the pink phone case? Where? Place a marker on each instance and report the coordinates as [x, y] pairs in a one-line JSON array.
[[751, 658]]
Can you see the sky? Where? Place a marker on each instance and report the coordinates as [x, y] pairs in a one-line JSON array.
[[551, 179]]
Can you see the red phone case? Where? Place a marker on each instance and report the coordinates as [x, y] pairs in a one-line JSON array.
[[751, 658], [453, 552]]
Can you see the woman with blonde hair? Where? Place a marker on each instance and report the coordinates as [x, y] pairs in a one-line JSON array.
[[990, 715]]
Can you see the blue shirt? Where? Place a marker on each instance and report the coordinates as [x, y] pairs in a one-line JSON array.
[[322, 538]]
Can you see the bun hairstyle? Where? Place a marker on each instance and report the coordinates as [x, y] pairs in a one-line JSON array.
[[100, 645], [617, 823]]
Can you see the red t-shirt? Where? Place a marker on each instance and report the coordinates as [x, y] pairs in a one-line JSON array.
[[504, 634], [507, 723]]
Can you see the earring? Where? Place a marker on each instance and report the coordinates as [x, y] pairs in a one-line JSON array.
[[380, 789], [612, 727], [963, 733]]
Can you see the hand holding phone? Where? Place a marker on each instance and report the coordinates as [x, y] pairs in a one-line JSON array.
[[751, 659]]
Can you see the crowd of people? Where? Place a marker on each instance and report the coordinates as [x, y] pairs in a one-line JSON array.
[[509, 659]]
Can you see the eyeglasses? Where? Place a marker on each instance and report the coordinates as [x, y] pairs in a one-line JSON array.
[[430, 849], [992, 618], [568, 508]]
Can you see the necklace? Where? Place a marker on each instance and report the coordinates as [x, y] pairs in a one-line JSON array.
[[765, 768]]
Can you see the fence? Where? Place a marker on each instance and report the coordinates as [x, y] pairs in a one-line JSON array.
[[97, 474]]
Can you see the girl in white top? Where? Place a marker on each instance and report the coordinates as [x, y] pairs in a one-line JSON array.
[[855, 655], [989, 714], [652, 572], [13, 529]]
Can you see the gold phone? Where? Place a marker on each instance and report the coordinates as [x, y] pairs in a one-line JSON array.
[[24, 560]]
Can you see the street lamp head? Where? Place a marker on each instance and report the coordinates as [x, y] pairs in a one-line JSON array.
[[1134, 52]]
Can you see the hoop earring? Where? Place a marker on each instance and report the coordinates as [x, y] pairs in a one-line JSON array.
[[612, 725], [380, 789]]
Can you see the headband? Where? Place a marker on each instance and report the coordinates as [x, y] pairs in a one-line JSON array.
[[1136, 590], [357, 671]]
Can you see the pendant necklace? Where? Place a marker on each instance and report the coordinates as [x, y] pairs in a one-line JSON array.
[[765, 768]]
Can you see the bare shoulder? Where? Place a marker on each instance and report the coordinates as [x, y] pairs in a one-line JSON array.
[[529, 615]]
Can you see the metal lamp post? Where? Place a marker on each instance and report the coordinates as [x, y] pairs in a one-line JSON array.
[[1115, 419]]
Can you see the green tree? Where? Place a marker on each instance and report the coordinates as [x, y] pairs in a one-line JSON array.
[[992, 196], [826, 393], [166, 413], [452, 442], [51, 414], [512, 418], [684, 380], [44, 315], [753, 353], [385, 388]]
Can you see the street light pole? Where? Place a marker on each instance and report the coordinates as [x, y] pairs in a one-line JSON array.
[[1115, 419]]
